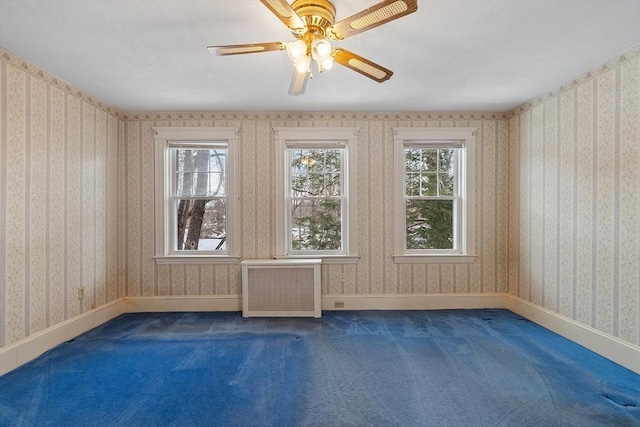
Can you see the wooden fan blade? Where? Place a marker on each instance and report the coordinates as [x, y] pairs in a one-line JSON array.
[[378, 14], [237, 49], [361, 65], [298, 82], [286, 14]]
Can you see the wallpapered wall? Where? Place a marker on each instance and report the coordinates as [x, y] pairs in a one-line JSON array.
[[59, 157], [574, 227], [376, 272], [557, 202]]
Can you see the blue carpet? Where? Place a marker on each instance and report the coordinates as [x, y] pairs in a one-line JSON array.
[[371, 368]]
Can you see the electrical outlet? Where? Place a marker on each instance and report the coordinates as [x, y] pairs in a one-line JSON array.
[[338, 304], [80, 293]]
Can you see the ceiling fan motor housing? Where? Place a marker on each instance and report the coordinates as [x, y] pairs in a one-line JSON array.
[[317, 15]]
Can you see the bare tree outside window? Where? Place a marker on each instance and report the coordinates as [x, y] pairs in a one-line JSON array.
[[200, 199]]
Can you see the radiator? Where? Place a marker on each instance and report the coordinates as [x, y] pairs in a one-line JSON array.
[[281, 288]]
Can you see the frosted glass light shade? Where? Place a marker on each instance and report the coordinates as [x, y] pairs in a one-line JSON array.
[[303, 65], [296, 50], [320, 49], [327, 63]]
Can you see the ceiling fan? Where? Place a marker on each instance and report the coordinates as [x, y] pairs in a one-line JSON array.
[[312, 23]]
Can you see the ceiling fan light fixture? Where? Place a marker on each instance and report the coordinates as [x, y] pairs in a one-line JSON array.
[[326, 64], [313, 24], [320, 49], [296, 50], [303, 65]]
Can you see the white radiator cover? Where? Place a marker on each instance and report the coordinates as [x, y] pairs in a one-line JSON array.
[[281, 288]]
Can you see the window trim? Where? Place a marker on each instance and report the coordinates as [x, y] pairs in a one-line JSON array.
[[308, 138], [404, 137], [167, 138]]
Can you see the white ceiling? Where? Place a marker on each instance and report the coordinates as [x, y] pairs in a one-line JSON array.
[[451, 55]]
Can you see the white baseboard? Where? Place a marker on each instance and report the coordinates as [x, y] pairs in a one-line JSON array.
[[621, 352], [350, 302], [183, 303], [29, 348], [412, 302]]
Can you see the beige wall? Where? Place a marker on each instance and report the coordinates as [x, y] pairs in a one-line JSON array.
[[59, 201], [574, 229], [557, 193], [376, 272]]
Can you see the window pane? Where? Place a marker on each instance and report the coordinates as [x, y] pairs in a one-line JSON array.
[[429, 172], [412, 161], [445, 184], [316, 225], [316, 185], [200, 172], [201, 224], [316, 173], [429, 224], [412, 184], [307, 185], [332, 160], [445, 169], [430, 159], [429, 184], [300, 185], [333, 184], [184, 183], [304, 161]]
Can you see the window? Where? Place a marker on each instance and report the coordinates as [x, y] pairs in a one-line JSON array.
[[316, 199], [195, 176], [316, 210], [434, 207]]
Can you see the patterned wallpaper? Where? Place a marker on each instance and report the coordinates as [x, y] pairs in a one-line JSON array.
[[59, 187], [376, 272], [557, 198], [574, 206]]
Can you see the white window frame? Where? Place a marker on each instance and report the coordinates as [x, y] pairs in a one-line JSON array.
[[167, 138], [310, 138], [464, 228]]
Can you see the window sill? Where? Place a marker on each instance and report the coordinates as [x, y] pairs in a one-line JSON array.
[[326, 259], [440, 259], [197, 259]]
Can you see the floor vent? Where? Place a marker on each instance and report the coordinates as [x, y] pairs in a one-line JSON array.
[[281, 288]]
